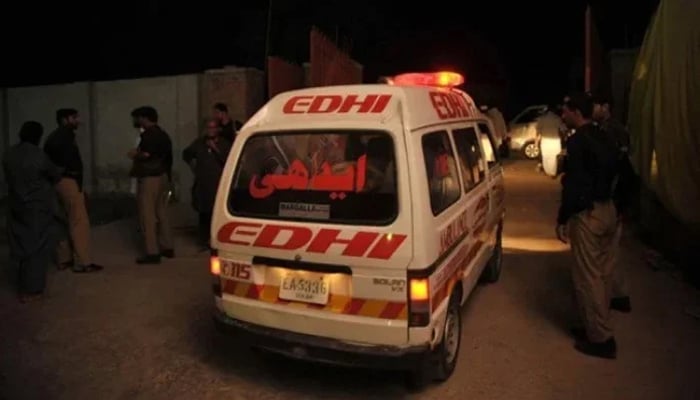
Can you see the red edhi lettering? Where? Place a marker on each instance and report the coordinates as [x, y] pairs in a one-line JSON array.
[[449, 105], [296, 237], [324, 104], [455, 230]]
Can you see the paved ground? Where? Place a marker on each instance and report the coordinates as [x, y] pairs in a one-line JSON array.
[[145, 332]]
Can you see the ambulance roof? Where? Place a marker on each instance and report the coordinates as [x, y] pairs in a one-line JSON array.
[[417, 106]]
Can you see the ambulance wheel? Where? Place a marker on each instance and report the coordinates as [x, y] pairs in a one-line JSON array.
[[442, 360], [531, 150], [447, 351], [493, 269]]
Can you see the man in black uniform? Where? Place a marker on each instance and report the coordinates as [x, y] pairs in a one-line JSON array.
[[602, 115], [228, 129], [207, 156], [63, 151], [152, 166], [588, 219]]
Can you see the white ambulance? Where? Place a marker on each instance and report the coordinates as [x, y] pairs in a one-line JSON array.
[[352, 222]]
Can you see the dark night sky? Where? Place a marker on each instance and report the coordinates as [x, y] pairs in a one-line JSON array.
[[535, 42]]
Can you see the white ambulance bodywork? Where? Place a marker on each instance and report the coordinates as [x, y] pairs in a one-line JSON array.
[[368, 267]]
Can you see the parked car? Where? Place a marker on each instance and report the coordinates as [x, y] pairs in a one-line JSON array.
[[522, 131], [500, 133]]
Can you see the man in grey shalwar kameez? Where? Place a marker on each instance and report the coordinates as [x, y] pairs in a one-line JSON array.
[[31, 227]]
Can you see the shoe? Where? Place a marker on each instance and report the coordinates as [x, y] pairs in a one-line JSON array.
[[30, 298], [86, 269], [168, 253], [579, 333], [621, 304], [606, 349], [65, 265], [149, 259]]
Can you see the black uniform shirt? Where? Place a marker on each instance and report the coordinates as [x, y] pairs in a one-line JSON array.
[[63, 151], [590, 171]]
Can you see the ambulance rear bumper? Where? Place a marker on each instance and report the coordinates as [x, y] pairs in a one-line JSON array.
[[321, 349]]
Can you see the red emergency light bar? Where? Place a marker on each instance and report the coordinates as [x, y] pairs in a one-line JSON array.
[[443, 78]]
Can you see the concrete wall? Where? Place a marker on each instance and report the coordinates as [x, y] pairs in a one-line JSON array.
[[254, 93], [39, 103], [241, 89], [176, 101], [107, 134]]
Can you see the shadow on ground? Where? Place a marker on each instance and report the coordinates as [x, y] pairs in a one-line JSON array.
[[298, 379], [552, 296]]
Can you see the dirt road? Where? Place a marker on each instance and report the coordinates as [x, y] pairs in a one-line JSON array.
[[137, 332]]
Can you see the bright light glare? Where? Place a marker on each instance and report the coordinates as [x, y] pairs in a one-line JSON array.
[[542, 245], [442, 79]]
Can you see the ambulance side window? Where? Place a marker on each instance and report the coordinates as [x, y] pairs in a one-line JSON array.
[[443, 179], [488, 144], [470, 160]]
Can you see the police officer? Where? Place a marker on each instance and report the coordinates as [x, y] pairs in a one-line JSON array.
[[602, 115], [63, 151], [152, 166], [588, 220], [228, 128], [207, 156]]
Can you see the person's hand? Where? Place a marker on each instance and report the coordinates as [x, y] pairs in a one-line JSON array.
[[563, 233], [211, 143]]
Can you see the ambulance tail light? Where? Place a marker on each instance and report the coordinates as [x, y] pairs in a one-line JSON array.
[[419, 302], [215, 265], [215, 270], [441, 79]]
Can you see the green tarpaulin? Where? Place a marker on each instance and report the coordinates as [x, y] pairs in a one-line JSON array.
[[664, 110]]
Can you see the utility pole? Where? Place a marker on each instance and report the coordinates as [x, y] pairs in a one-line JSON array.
[[268, 29], [587, 62], [267, 49]]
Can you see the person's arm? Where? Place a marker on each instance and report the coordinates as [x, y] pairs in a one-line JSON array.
[[151, 145], [623, 190], [624, 138], [574, 170], [57, 150], [190, 153], [49, 170], [223, 148], [72, 160]]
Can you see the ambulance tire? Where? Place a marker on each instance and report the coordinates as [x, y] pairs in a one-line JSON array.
[[442, 360], [493, 268], [447, 352]]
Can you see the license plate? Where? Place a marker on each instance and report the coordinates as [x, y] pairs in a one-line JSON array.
[[307, 288]]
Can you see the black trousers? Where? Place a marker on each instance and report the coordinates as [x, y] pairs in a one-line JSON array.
[[204, 227], [32, 272]]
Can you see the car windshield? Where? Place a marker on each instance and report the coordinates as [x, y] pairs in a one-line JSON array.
[[529, 116], [340, 176]]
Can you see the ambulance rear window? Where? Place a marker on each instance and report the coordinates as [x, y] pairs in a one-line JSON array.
[[339, 176]]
